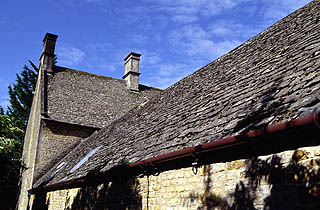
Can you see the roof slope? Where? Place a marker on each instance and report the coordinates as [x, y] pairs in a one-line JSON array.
[[91, 100], [273, 77]]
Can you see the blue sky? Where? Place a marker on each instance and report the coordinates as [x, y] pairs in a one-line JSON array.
[[175, 37]]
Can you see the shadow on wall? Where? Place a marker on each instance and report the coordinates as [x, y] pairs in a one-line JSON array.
[[295, 185], [117, 195], [121, 194], [40, 202]]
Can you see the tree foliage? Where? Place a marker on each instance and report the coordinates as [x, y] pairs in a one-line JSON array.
[[12, 130], [21, 93], [11, 142]]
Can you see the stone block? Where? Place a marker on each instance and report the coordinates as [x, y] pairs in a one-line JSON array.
[[300, 155], [156, 207], [182, 181], [286, 157], [179, 174], [235, 165], [218, 167], [188, 173], [156, 188], [316, 151], [173, 182], [170, 176], [233, 175], [218, 177], [179, 189]]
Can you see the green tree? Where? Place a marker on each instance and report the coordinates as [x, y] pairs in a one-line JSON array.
[[11, 142], [12, 131], [21, 93]]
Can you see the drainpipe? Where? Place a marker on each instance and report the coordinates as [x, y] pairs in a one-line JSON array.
[[310, 123]]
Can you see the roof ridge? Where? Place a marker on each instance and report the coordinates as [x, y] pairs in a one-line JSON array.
[[60, 68]]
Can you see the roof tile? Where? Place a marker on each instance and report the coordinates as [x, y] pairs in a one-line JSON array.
[[260, 83]]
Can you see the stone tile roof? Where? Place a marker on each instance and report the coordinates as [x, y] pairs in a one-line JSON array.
[[271, 78], [87, 99]]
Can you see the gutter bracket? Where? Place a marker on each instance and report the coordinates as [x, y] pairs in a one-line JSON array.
[[316, 119], [149, 168], [195, 164]]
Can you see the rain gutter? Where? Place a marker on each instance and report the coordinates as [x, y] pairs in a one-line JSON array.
[[310, 123]]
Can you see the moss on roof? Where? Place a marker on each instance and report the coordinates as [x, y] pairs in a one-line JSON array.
[[88, 99], [89, 74]]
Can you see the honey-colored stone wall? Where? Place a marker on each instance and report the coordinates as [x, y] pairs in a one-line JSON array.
[[30, 146], [56, 140], [62, 199], [286, 180]]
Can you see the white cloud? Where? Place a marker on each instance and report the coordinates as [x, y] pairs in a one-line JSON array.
[[153, 58], [68, 55], [274, 10], [231, 30], [209, 49], [185, 18], [181, 9], [194, 41], [216, 7], [190, 11], [110, 67], [100, 47], [188, 32], [161, 82], [166, 70], [196, 31], [149, 58], [164, 75], [194, 7], [137, 38]]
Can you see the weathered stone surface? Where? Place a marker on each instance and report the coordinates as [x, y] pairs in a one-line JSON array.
[[267, 186], [56, 141], [275, 61], [235, 165], [91, 100]]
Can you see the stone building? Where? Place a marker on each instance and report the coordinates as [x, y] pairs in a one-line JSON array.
[[240, 133]]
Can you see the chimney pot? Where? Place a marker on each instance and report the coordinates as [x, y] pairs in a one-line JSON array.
[[46, 59], [49, 43], [131, 74]]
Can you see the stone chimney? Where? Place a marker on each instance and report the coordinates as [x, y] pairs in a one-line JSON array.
[[131, 74], [47, 56]]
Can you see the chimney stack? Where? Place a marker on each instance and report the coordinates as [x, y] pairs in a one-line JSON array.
[[131, 74], [47, 56]]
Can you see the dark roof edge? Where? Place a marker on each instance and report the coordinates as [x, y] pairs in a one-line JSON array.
[[292, 127], [68, 123], [149, 87]]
